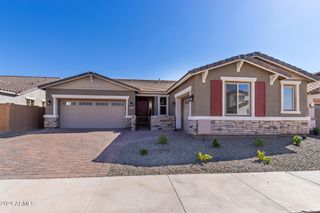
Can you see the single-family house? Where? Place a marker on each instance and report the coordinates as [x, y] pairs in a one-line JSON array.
[[23, 90], [243, 95]]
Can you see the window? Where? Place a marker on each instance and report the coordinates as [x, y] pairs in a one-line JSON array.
[[102, 104], [69, 103], [43, 103], [290, 101], [117, 104], [288, 98], [84, 103], [29, 102], [163, 105], [237, 98]]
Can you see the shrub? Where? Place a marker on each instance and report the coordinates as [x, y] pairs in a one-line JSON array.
[[263, 158], [215, 143], [162, 139], [204, 157], [259, 142], [297, 139], [316, 131], [143, 152]]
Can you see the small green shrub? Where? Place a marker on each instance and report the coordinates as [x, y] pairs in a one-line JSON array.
[[215, 143], [143, 152], [316, 131], [297, 140], [267, 160], [204, 157], [162, 139], [259, 142], [263, 158]]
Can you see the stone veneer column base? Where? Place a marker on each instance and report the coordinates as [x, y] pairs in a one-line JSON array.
[[51, 122], [251, 127], [163, 122], [131, 122]]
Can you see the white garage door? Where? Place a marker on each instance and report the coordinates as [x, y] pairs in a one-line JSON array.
[[92, 114]]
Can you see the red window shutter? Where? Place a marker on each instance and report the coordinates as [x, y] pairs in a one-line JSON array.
[[260, 99], [216, 98]]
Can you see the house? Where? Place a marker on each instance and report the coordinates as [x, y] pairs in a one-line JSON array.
[[23, 90], [242, 95], [314, 102]]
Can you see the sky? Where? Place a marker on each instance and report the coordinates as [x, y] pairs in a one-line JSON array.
[[152, 39]]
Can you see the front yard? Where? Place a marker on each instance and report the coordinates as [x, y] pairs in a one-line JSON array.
[[86, 153], [179, 155]]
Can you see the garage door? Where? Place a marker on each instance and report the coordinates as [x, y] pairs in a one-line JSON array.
[[92, 114]]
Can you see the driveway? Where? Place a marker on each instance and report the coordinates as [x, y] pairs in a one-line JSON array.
[[54, 153], [250, 192], [59, 153]]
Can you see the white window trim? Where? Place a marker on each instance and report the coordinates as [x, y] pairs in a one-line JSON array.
[[252, 92], [167, 104], [296, 85]]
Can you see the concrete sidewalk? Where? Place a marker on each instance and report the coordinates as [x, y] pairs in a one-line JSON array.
[[250, 192]]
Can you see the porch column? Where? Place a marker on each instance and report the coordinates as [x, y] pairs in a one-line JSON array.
[[178, 113], [55, 106]]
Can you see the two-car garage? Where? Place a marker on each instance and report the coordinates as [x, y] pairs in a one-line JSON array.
[[89, 100], [92, 113]]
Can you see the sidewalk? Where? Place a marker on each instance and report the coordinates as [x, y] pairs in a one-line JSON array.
[[249, 192]]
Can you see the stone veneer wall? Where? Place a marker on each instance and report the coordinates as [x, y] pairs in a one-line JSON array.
[[250, 127], [131, 122], [51, 122], [163, 122]]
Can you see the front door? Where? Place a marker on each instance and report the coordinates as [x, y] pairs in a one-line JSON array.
[[143, 112], [142, 107]]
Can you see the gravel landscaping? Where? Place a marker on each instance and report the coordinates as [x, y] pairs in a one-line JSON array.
[[179, 156]]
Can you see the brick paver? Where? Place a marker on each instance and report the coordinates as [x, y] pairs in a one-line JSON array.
[[54, 154]]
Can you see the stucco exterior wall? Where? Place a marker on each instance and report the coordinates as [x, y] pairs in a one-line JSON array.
[[201, 91], [37, 94], [190, 82]]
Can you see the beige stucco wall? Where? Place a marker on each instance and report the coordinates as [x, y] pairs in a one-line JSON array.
[[87, 83], [37, 94], [190, 82], [201, 91]]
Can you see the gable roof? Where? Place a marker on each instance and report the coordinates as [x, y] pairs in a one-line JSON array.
[[149, 86], [16, 85], [71, 78], [256, 58]]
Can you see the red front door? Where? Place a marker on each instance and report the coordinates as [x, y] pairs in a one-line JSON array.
[[142, 107]]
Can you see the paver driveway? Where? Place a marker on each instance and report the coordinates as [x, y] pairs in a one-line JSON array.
[[54, 153]]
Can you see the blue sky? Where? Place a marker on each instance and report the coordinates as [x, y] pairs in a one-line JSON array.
[[152, 39]]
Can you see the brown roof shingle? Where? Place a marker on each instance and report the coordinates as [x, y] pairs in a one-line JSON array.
[[19, 84], [258, 58], [149, 86]]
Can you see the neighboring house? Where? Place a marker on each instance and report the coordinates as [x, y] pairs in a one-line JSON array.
[[314, 102], [23, 90], [243, 95]]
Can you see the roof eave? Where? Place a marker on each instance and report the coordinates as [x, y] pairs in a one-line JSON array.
[[71, 78]]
